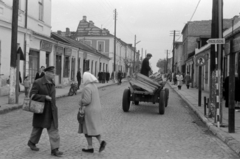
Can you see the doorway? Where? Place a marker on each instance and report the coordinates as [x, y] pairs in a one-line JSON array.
[[33, 64], [59, 67], [73, 69]]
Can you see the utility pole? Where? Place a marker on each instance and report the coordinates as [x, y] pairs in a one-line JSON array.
[[142, 54], [25, 39], [12, 92], [167, 62], [173, 33], [134, 53], [134, 58], [145, 53]]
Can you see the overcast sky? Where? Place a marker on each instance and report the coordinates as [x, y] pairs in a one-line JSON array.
[[150, 20]]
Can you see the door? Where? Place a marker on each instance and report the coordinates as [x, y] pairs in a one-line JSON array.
[[59, 67], [33, 64], [73, 69]]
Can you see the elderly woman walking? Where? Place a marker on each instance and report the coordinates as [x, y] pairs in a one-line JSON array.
[[179, 80], [91, 107]]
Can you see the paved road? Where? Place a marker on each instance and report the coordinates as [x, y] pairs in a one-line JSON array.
[[141, 133]]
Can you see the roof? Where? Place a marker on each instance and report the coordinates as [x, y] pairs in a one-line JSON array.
[[77, 44]]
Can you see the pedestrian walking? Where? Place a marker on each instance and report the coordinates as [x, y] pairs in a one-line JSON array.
[[79, 77], [187, 80], [119, 77], [179, 77], [145, 68], [27, 85], [174, 78], [91, 106], [41, 73], [43, 90]]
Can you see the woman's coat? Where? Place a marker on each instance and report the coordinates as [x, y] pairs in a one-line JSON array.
[[93, 120]]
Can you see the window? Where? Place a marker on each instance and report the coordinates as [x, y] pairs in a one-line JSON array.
[[40, 3], [66, 67], [100, 48]]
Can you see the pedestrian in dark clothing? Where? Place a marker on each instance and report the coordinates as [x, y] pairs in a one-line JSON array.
[[43, 90], [79, 77], [226, 89], [112, 75], [119, 77], [107, 76], [187, 80], [40, 74], [145, 69]]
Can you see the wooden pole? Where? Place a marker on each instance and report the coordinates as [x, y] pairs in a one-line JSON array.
[[231, 97], [17, 78], [200, 86], [12, 94]]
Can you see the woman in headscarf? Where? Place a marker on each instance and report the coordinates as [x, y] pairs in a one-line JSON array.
[[91, 106]]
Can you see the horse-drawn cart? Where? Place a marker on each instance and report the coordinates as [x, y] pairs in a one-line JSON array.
[[145, 89]]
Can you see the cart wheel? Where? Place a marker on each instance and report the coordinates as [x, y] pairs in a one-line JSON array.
[[162, 102], [166, 96], [136, 102], [126, 100]]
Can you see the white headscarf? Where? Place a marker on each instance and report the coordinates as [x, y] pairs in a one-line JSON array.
[[89, 78]]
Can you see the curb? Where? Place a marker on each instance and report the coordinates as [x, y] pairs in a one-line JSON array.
[[231, 142], [19, 106]]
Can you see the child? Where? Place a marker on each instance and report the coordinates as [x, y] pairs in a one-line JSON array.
[[26, 84]]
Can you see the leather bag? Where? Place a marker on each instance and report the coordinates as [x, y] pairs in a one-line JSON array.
[[31, 105]]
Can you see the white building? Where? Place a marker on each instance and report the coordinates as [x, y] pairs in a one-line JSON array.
[[36, 33]]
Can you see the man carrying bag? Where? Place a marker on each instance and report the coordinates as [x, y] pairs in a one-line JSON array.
[[43, 90]]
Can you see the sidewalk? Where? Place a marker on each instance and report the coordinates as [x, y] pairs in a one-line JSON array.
[[60, 92], [190, 96]]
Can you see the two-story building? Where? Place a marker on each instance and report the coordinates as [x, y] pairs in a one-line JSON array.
[[34, 29], [103, 42]]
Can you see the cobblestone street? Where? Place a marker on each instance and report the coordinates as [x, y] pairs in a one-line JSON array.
[[139, 134]]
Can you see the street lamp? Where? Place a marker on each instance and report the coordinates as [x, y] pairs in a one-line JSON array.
[[231, 89]]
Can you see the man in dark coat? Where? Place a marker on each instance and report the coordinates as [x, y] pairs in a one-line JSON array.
[[226, 89], [145, 65], [43, 90], [40, 74], [79, 77], [119, 77]]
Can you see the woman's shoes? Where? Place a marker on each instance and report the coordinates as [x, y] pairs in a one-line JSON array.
[[102, 146], [88, 150]]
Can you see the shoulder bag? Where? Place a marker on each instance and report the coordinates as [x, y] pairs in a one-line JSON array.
[[31, 105]]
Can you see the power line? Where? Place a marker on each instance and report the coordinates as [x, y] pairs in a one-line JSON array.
[[195, 10]]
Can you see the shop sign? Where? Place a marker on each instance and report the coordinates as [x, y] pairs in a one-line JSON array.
[[59, 50], [200, 60], [67, 51], [46, 46]]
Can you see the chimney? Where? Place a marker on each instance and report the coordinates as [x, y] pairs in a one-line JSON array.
[[59, 32], [91, 23], [67, 32], [85, 18]]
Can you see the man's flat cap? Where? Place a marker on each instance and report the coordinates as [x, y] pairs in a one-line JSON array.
[[149, 54], [49, 69]]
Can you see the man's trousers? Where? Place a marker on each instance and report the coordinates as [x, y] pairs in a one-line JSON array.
[[53, 134]]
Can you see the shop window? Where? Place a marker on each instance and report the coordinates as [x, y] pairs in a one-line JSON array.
[[66, 66]]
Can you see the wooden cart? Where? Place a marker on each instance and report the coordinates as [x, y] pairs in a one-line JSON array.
[[144, 89]]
